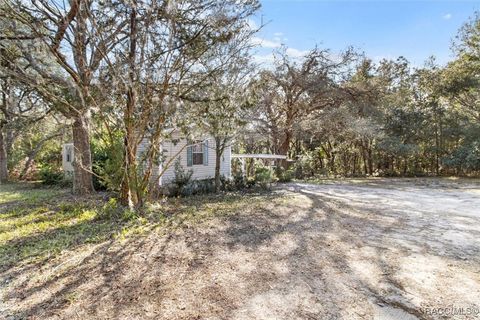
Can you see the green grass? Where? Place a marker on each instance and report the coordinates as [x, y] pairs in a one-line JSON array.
[[38, 223], [36, 229], [27, 192]]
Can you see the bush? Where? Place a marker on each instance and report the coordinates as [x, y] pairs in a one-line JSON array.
[[111, 209], [239, 181], [465, 158], [181, 181], [227, 184], [52, 176], [250, 182], [107, 161], [199, 187], [304, 167], [264, 177], [284, 175]]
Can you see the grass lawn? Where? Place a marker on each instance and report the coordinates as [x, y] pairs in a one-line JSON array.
[[27, 192], [37, 223]]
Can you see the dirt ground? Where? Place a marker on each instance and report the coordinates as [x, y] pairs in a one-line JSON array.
[[376, 249]]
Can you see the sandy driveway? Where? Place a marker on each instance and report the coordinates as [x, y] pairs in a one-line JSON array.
[[408, 244], [386, 249]]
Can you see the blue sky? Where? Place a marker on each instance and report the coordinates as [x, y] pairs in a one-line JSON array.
[[382, 29]]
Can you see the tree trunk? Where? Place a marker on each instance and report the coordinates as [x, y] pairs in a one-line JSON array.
[[129, 194], [370, 159], [3, 159], [320, 161], [354, 171], [437, 156], [364, 158], [284, 147], [218, 156], [4, 148], [82, 165]]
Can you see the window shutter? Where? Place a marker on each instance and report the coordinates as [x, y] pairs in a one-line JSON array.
[[189, 156], [205, 153]]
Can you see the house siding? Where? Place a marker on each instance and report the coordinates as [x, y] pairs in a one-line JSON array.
[[179, 150]]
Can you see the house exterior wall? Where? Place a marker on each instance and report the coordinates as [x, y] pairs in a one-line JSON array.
[[172, 151]]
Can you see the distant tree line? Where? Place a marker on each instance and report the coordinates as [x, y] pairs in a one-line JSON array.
[[346, 115]]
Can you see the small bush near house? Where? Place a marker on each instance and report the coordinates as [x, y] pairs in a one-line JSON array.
[[284, 175], [53, 176], [239, 181], [181, 181], [250, 182], [107, 158], [184, 185], [227, 184], [203, 186], [111, 209], [264, 177]]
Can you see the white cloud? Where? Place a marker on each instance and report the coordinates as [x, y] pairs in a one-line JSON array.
[[252, 24], [266, 43], [267, 59], [278, 34], [295, 53], [447, 16]]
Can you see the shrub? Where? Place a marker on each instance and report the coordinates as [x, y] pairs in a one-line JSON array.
[[128, 215], [205, 186], [465, 158], [284, 175], [227, 184], [181, 181], [304, 167], [239, 181], [107, 161], [264, 177], [52, 176], [250, 182], [112, 210]]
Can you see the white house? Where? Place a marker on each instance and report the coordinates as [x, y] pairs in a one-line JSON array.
[[198, 156]]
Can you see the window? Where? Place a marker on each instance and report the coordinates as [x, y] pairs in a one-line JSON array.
[[197, 153], [68, 152]]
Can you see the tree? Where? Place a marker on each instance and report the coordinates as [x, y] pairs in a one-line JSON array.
[[225, 96], [61, 48], [166, 43], [296, 89], [459, 85], [19, 109], [460, 80]]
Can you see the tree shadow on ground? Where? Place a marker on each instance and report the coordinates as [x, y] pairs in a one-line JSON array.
[[279, 259]]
